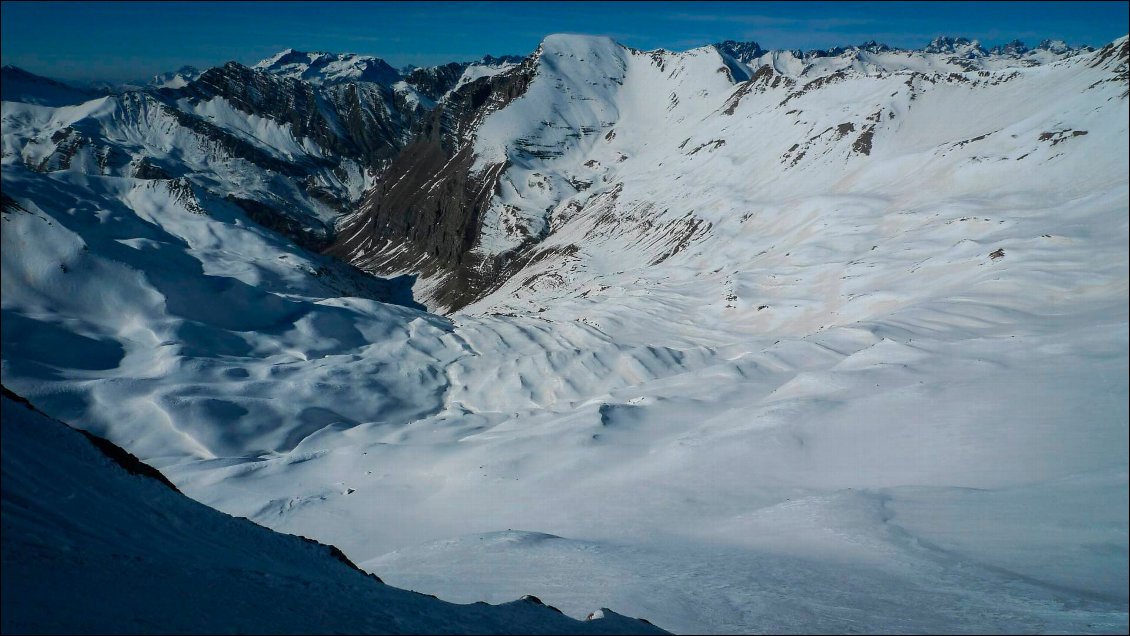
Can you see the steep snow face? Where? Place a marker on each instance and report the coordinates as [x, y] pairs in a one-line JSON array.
[[413, 98], [584, 158], [846, 341], [91, 548], [329, 68], [576, 83], [584, 88]]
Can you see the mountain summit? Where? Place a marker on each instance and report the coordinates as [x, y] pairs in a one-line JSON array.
[[329, 68]]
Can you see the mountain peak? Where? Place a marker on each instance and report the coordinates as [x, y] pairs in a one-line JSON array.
[[175, 79], [277, 58], [744, 52], [575, 41], [319, 67], [872, 46], [955, 46], [1054, 46], [1015, 47], [11, 71]]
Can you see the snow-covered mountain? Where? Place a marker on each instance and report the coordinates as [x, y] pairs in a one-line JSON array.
[[734, 339], [179, 78], [292, 156], [329, 68], [415, 87], [579, 116]]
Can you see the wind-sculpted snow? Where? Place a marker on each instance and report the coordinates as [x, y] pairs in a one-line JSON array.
[[91, 548], [129, 268], [840, 346]]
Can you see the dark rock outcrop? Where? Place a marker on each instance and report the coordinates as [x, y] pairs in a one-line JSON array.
[[356, 120], [434, 81], [427, 210]]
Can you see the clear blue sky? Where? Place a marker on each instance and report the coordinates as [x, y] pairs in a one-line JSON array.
[[126, 41]]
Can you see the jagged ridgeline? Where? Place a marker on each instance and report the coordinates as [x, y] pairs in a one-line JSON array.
[[505, 160], [293, 141], [460, 172]]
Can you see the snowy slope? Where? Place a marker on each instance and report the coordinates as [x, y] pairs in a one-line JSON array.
[[218, 149], [91, 546], [592, 114], [839, 346], [141, 284]]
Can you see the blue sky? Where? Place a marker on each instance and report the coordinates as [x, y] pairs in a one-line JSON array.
[[125, 41]]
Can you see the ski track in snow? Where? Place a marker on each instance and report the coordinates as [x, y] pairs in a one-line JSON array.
[[761, 393]]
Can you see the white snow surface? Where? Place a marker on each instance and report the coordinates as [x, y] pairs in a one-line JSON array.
[[91, 548], [842, 350]]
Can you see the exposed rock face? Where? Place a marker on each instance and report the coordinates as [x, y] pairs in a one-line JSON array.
[[300, 136], [744, 52], [144, 168], [433, 82], [955, 46], [426, 212], [355, 120], [1015, 47]]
